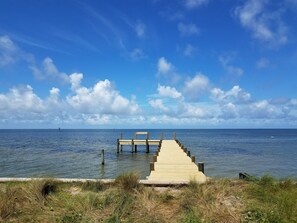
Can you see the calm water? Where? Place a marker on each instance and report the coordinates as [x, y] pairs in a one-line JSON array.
[[76, 153]]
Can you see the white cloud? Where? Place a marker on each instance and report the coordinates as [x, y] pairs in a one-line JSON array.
[[192, 110], [164, 67], [263, 63], [49, 70], [8, 51], [170, 92], [101, 98], [230, 69], [229, 111], [264, 110], [158, 104], [75, 80], [187, 29], [196, 86], [137, 54], [190, 4], [236, 94], [265, 26], [21, 100], [189, 50], [97, 119], [140, 29]]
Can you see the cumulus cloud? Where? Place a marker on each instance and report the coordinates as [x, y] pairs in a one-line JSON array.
[[21, 100], [235, 94], [196, 86], [170, 92], [230, 69], [48, 70], [75, 80], [190, 4], [194, 111], [187, 29], [140, 29], [265, 26], [101, 98], [164, 67], [263, 110], [158, 104], [97, 104]]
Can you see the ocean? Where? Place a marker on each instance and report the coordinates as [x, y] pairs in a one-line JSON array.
[[76, 153]]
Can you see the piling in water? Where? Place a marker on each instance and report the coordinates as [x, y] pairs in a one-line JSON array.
[[102, 157], [147, 146], [201, 166]]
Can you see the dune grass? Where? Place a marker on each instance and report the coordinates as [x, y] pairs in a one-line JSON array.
[[258, 200]]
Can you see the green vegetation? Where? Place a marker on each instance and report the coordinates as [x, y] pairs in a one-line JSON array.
[[257, 200]]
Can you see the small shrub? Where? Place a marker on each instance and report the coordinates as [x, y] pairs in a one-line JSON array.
[[40, 189], [128, 181], [48, 187]]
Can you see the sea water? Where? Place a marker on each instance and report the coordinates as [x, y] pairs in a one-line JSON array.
[[76, 153]]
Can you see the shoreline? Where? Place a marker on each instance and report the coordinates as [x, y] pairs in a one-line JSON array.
[[104, 181]]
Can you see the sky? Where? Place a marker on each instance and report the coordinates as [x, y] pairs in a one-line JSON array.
[[148, 64]]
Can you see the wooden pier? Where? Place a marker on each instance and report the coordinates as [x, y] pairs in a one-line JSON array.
[[172, 163]]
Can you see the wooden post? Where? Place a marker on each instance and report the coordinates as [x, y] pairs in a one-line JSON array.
[[147, 146], [132, 146], [152, 166], [193, 159], [102, 157], [135, 148], [189, 153], [154, 158], [174, 135], [201, 166], [118, 145]]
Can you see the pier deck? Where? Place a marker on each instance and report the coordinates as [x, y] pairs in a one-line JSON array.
[[173, 164], [137, 142]]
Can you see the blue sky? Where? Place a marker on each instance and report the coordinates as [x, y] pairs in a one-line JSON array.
[[148, 64]]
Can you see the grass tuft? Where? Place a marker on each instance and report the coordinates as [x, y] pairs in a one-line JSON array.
[[128, 181], [93, 186]]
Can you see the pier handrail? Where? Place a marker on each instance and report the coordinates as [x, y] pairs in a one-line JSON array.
[[141, 133]]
